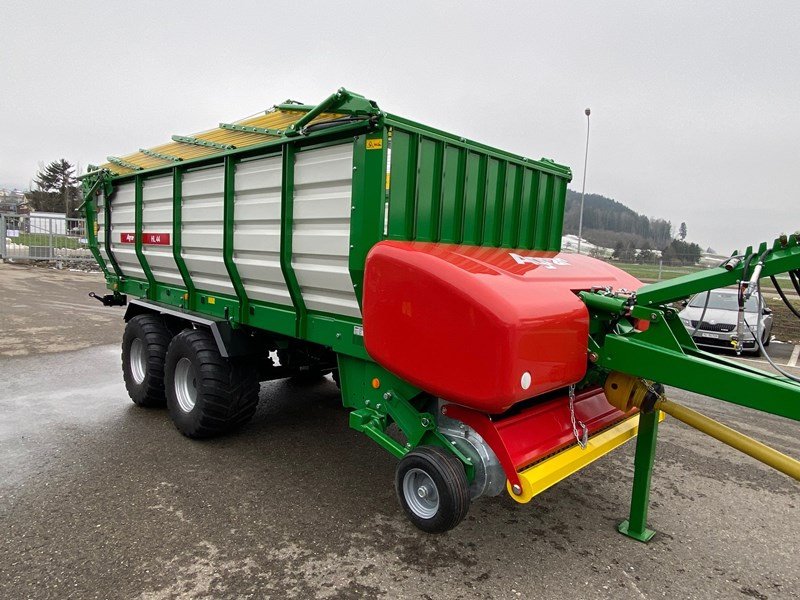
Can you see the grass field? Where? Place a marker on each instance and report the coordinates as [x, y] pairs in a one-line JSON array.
[[43, 239], [649, 273]]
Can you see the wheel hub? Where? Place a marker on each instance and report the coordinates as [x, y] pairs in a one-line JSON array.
[[420, 493], [185, 385], [137, 361]]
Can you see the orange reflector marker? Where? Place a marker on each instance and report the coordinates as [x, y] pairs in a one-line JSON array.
[[376, 383]]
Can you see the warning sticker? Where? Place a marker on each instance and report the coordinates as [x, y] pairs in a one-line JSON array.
[[375, 144]]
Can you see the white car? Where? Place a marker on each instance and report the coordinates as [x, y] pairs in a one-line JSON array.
[[718, 328]]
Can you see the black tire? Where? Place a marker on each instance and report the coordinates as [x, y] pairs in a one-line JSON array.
[[146, 337], [767, 340], [446, 473], [225, 391]]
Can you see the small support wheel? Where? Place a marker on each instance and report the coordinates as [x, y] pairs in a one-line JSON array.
[[432, 489], [144, 348], [207, 394]]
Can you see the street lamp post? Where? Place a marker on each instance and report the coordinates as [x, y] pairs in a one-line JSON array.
[[587, 112]]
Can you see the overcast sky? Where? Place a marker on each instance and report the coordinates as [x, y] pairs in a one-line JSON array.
[[694, 105]]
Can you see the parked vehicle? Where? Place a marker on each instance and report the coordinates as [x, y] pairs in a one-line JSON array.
[[423, 271], [719, 328]]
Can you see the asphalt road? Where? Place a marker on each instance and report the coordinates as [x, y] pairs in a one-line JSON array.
[[101, 499]]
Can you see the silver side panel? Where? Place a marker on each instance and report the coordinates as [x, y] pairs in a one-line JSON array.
[[157, 210], [123, 221], [321, 229], [201, 235], [100, 232], [257, 230]]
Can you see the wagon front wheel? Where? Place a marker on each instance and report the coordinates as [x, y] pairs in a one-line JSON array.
[[432, 489]]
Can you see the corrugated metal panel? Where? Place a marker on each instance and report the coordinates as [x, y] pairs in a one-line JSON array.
[[202, 206], [257, 229], [123, 223], [321, 229], [273, 119], [157, 209], [442, 191]]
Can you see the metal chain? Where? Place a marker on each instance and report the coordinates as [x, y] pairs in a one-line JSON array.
[[582, 439]]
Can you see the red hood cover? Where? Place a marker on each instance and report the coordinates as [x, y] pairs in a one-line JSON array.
[[483, 327]]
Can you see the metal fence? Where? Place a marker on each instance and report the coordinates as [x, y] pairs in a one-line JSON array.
[[40, 237]]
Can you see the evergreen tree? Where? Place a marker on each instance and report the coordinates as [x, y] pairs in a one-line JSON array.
[[682, 232], [619, 250], [684, 253], [56, 188], [646, 254]]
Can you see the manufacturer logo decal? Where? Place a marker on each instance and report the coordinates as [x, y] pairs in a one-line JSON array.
[[156, 239], [547, 263], [151, 239]]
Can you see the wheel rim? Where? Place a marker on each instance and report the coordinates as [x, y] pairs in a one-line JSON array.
[[185, 385], [420, 493], [137, 361]]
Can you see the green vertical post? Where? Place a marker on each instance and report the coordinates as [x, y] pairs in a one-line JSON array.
[[177, 241], [636, 525], [90, 208], [287, 228], [138, 183], [107, 233], [227, 239]]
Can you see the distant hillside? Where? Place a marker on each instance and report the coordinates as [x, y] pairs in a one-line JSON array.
[[606, 222]]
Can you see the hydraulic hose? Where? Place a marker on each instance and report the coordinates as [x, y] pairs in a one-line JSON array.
[[702, 314], [793, 275], [760, 343], [783, 296]]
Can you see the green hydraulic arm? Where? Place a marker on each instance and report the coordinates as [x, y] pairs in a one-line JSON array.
[[639, 334]]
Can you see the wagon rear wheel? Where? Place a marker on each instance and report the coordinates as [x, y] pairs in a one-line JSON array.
[[144, 348], [207, 394], [432, 489]]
